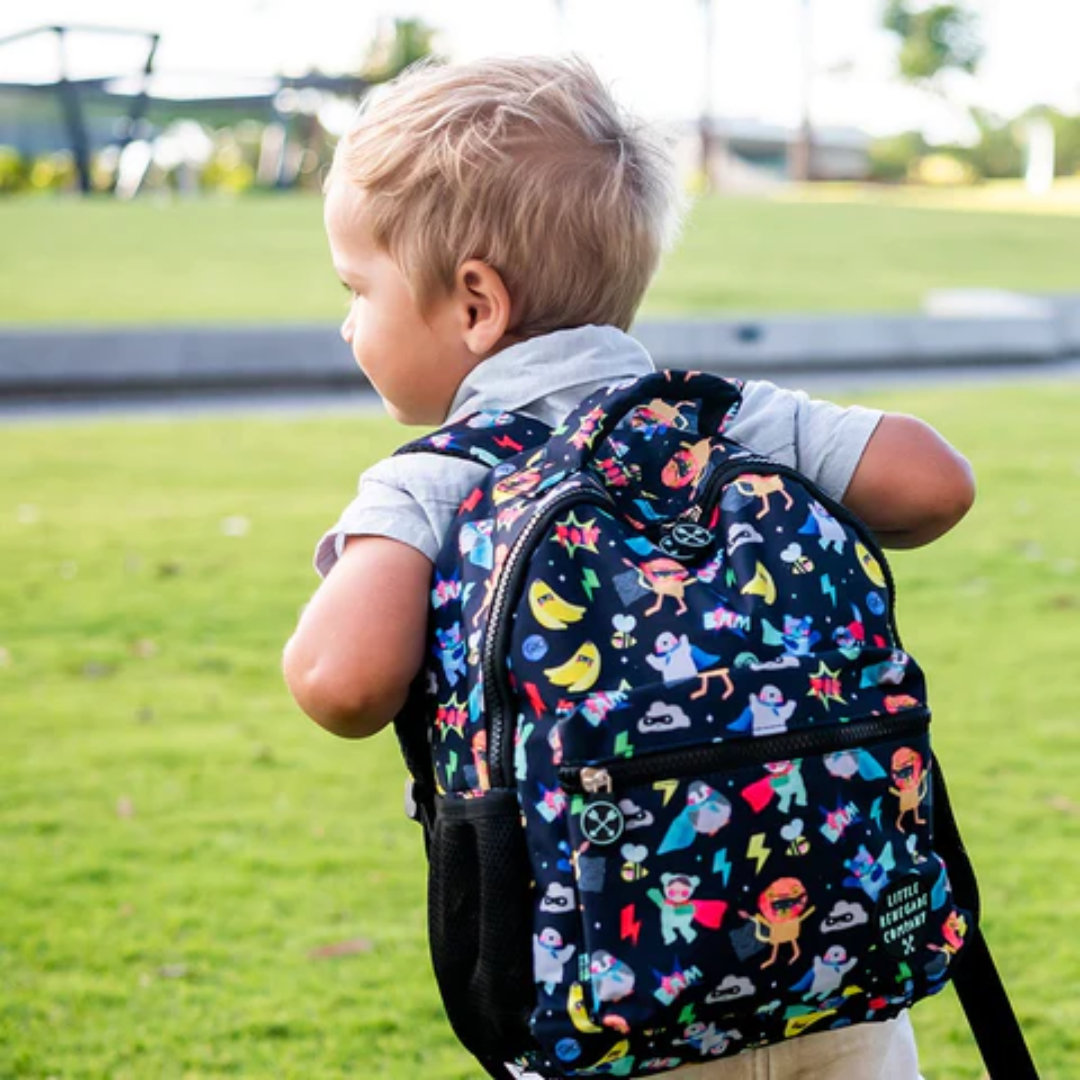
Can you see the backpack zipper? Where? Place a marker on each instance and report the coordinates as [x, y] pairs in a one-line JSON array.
[[498, 698], [610, 777]]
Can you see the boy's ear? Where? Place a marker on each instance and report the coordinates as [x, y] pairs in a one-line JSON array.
[[484, 306]]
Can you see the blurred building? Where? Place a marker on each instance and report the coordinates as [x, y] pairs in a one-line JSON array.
[[750, 155]]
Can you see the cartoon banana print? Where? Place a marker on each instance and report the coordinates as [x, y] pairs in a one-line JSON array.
[[549, 609], [580, 672], [579, 1015]]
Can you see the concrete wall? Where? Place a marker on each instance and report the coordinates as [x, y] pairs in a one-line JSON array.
[[84, 361]]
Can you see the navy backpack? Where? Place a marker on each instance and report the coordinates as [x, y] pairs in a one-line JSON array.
[[672, 759]]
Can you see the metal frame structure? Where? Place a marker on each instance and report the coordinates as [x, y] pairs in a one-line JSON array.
[[68, 89]]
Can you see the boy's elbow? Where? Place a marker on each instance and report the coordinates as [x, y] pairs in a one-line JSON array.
[[959, 497], [335, 701], [945, 500]]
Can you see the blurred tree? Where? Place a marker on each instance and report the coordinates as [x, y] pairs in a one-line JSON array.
[[934, 38], [998, 154], [397, 45], [891, 157]]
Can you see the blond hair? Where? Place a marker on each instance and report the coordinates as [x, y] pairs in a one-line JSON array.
[[527, 164]]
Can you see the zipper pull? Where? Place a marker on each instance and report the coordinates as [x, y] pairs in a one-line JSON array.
[[595, 781]]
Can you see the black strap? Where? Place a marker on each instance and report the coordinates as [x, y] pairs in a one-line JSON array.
[[978, 984]]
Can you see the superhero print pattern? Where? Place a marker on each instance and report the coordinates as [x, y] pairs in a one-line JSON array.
[[684, 660]]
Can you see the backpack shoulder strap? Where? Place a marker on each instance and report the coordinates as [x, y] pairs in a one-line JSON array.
[[978, 984], [485, 438]]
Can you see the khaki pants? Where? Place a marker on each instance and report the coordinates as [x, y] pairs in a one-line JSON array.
[[883, 1051]]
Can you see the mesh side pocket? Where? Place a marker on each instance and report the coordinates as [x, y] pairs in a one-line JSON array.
[[480, 922]]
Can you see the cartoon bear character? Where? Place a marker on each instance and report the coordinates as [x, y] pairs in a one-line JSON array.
[[451, 650], [678, 912]]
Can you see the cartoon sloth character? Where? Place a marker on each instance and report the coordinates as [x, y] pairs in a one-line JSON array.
[[912, 782], [783, 911], [663, 578], [678, 912]]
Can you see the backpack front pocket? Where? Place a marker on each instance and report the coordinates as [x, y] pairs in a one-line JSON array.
[[716, 894]]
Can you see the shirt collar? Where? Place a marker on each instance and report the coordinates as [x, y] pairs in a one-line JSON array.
[[548, 376]]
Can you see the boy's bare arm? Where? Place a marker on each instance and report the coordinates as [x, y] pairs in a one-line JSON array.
[[910, 486], [360, 641]]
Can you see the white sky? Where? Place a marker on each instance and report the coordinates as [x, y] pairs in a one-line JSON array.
[[653, 51]]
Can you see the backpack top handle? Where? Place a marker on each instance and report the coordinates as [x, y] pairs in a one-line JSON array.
[[584, 430]]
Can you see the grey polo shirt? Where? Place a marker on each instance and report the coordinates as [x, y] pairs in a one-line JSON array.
[[413, 498]]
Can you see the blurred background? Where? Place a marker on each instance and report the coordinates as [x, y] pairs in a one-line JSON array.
[[198, 882], [238, 96]]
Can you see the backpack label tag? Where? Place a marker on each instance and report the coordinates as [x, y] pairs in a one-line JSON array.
[[902, 915]]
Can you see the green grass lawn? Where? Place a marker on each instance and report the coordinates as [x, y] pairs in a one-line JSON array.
[[180, 848], [264, 259]]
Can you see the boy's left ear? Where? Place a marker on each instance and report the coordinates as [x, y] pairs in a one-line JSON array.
[[484, 304]]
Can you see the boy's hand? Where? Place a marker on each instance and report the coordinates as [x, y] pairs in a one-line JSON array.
[[910, 486], [360, 642]]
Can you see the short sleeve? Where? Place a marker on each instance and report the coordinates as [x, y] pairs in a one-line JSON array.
[[823, 440], [411, 499]]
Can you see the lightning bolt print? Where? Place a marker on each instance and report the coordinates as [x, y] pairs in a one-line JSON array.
[[623, 746], [470, 500], [668, 787], [629, 925], [828, 588], [589, 581], [875, 812], [721, 865], [687, 1017], [756, 849], [507, 443]]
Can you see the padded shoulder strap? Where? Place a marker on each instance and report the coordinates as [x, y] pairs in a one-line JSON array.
[[486, 438]]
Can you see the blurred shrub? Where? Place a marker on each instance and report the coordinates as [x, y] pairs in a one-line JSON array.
[[14, 170], [53, 172], [943, 170], [891, 158], [228, 170]]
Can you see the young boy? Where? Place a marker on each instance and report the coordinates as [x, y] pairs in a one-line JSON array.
[[496, 225]]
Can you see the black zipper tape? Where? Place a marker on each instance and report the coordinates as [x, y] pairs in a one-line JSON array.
[[498, 697], [737, 753]]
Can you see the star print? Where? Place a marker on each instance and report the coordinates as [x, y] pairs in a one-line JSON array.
[[574, 535], [825, 686]]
